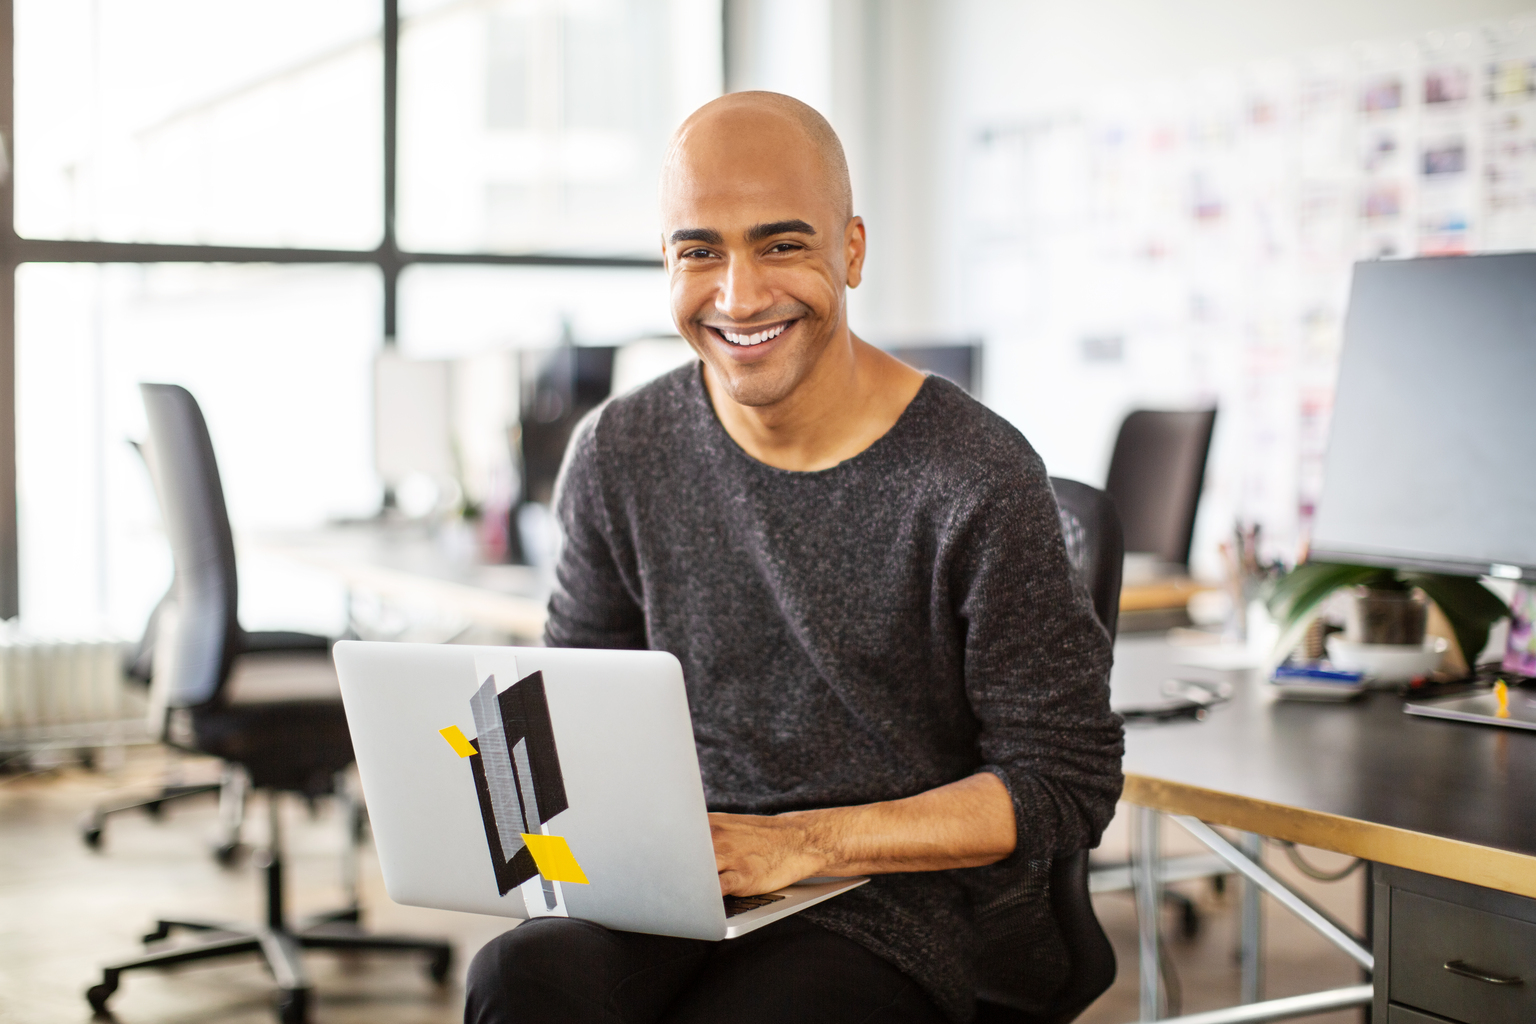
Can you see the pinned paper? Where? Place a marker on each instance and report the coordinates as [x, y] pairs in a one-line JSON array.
[[455, 737], [555, 861]]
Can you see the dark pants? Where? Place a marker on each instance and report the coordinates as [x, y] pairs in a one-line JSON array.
[[555, 969]]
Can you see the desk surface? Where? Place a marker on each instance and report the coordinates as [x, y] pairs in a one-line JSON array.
[[407, 563], [1363, 778]]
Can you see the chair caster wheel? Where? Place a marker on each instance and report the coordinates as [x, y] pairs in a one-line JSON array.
[[293, 1006], [155, 809], [226, 854], [91, 837], [437, 970], [1189, 921], [97, 996]]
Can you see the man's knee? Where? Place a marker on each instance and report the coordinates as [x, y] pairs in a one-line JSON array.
[[558, 969], [539, 968]]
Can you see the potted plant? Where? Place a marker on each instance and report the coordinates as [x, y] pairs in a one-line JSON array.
[[1387, 608]]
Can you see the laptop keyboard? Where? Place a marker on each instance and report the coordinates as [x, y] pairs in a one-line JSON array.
[[741, 904]]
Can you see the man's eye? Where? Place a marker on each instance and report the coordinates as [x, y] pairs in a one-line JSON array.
[[784, 247], [697, 254]]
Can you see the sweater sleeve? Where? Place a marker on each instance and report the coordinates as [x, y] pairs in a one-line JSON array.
[[594, 603], [1037, 667]]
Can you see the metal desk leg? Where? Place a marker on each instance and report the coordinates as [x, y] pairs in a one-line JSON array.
[[1250, 950], [1146, 856]]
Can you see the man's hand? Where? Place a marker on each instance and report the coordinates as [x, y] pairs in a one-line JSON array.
[[757, 853], [962, 825]]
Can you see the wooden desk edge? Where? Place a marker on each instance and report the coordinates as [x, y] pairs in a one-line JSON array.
[[1487, 866]]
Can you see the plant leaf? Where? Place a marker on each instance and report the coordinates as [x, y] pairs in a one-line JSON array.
[[1305, 587], [1470, 607]]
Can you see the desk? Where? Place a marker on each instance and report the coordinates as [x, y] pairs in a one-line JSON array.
[[1449, 800], [408, 564], [1458, 801]]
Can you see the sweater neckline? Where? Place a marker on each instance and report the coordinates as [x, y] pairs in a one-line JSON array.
[[869, 454]]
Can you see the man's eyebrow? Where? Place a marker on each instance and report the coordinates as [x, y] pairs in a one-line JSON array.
[[779, 227], [709, 236]]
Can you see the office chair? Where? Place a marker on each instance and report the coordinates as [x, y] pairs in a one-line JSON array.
[[136, 668], [1044, 957], [1155, 477], [270, 709]]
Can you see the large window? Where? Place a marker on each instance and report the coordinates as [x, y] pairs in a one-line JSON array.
[[550, 135], [190, 121], [207, 193]]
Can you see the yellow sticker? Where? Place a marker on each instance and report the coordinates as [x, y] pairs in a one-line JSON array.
[[554, 859], [456, 740]]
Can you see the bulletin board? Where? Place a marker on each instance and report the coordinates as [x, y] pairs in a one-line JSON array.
[[1185, 243]]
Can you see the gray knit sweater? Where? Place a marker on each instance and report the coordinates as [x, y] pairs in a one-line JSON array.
[[866, 632]]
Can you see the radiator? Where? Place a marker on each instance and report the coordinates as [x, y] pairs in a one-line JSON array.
[[58, 691]]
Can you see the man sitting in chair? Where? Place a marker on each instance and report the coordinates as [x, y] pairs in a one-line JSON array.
[[890, 667]]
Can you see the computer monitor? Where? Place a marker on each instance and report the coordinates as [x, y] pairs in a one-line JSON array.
[[1431, 458], [412, 423], [560, 386], [960, 364]]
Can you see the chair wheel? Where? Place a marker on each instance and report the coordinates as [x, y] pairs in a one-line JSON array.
[[293, 1006], [97, 996], [91, 837], [437, 970], [226, 854], [1189, 921], [155, 809]]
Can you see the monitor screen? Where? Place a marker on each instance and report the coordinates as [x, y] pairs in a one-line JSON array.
[[1432, 452], [959, 364]]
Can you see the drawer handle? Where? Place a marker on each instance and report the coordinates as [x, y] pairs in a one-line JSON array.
[[1466, 970]]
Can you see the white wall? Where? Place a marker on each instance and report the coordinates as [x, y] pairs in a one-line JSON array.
[[870, 67], [1003, 63], [1016, 59]]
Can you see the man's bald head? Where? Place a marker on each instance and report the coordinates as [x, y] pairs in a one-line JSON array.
[[767, 120]]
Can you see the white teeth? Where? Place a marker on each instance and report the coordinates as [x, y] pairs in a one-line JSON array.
[[748, 340]]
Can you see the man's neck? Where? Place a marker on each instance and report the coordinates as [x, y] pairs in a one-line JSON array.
[[852, 398]]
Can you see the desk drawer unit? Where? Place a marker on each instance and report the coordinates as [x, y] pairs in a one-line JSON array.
[[1402, 1015], [1458, 959]]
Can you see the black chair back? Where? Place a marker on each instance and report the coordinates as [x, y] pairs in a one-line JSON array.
[[1155, 477], [1091, 527], [1066, 947], [204, 635]]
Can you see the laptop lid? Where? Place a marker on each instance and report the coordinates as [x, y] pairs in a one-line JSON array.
[[528, 782]]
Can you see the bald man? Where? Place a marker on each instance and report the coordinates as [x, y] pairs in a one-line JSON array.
[[890, 668]]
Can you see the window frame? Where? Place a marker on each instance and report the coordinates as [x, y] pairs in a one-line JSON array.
[[387, 256]]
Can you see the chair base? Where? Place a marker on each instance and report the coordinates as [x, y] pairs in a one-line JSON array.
[[281, 949], [153, 805]]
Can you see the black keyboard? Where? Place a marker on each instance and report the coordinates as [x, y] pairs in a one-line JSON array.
[[741, 904]]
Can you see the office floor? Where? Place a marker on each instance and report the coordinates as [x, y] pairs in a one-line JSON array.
[[65, 910]]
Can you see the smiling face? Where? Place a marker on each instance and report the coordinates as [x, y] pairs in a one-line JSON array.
[[759, 245]]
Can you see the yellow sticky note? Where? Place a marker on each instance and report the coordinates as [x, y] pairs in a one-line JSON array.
[[554, 859], [456, 740], [1501, 691]]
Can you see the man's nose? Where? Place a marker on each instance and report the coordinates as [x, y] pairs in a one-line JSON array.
[[743, 291]]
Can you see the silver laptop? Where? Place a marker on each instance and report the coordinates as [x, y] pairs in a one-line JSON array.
[[535, 782], [1519, 712]]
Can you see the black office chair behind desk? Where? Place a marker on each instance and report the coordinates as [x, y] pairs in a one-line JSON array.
[[1155, 477], [225, 699], [1043, 933]]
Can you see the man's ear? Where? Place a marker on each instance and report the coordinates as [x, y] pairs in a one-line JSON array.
[[854, 242]]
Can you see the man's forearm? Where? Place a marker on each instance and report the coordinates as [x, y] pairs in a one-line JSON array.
[[964, 824]]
